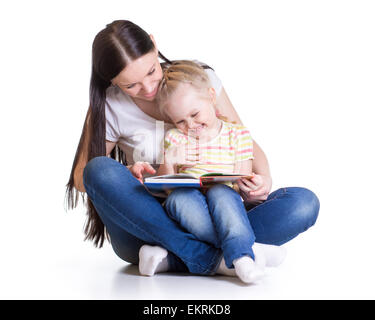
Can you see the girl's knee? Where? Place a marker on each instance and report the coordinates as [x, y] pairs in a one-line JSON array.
[[182, 195], [184, 202], [220, 190]]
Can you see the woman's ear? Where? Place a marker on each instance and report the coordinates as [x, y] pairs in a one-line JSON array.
[[153, 41]]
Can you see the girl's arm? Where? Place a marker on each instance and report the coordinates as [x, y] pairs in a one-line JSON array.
[[243, 167]]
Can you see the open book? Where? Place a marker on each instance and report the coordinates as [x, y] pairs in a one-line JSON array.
[[172, 181]]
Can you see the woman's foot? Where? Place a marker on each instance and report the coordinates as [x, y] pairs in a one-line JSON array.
[[152, 259], [274, 255], [247, 269]]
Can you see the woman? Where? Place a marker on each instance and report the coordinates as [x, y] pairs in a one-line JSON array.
[[122, 122]]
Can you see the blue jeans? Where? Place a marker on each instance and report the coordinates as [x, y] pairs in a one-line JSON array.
[[133, 217], [218, 217]]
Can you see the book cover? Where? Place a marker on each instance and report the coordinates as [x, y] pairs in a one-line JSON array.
[[172, 181]]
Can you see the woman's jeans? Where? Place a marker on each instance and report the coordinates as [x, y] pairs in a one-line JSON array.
[[133, 217], [218, 217]]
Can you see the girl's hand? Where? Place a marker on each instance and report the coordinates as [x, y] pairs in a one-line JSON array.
[[139, 167], [255, 190]]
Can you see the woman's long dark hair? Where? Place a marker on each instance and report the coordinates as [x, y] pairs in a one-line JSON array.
[[113, 48]]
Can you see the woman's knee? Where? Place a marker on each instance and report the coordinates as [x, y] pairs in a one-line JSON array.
[[128, 248], [306, 205], [101, 171]]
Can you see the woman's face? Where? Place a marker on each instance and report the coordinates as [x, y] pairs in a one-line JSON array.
[[140, 79]]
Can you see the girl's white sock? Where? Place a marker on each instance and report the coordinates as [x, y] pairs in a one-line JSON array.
[[274, 255], [152, 259], [243, 267]]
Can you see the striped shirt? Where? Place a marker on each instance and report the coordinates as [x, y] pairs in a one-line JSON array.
[[232, 144]]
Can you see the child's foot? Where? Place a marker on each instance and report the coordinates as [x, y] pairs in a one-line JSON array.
[[274, 255], [260, 261], [247, 269], [152, 259]]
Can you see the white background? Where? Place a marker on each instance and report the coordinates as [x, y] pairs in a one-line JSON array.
[[301, 74]]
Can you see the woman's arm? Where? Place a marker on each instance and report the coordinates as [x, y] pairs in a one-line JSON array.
[[260, 166], [257, 188], [260, 162], [225, 109], [84, 154]]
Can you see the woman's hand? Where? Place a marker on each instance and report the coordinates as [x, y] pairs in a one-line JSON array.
[[256, 190], [138, 168]]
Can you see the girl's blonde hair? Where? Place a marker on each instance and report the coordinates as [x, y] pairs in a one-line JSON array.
[[181, 71]]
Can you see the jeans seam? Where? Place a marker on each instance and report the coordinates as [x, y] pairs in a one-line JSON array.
[[216, 264], [277, 195], [206, 269]]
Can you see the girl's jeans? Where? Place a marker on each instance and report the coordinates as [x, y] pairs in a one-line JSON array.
[[218, 217], [133, 217]]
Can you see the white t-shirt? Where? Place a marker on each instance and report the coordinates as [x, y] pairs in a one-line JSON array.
[[139, 136]]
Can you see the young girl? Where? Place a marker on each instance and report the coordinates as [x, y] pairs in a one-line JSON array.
[[202, 143]]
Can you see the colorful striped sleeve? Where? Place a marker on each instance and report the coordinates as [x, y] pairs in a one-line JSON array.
[[244, 144], [172, 138]]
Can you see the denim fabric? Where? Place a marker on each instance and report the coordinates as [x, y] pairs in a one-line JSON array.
[[218, 217], [134, 217]]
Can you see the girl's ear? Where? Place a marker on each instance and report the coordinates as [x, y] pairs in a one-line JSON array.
[[212, 94]]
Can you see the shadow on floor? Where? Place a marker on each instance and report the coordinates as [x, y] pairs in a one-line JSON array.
[[132, 270]]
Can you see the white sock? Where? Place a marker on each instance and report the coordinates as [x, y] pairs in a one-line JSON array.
[[152, 259], [260, 257], [247, 270], [274, 255], [224, 270], [260, 261]]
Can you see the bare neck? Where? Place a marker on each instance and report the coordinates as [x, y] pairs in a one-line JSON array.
[[150, 108]]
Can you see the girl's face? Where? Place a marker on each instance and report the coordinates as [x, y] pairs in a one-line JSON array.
[[192, 111], [141, 77]]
